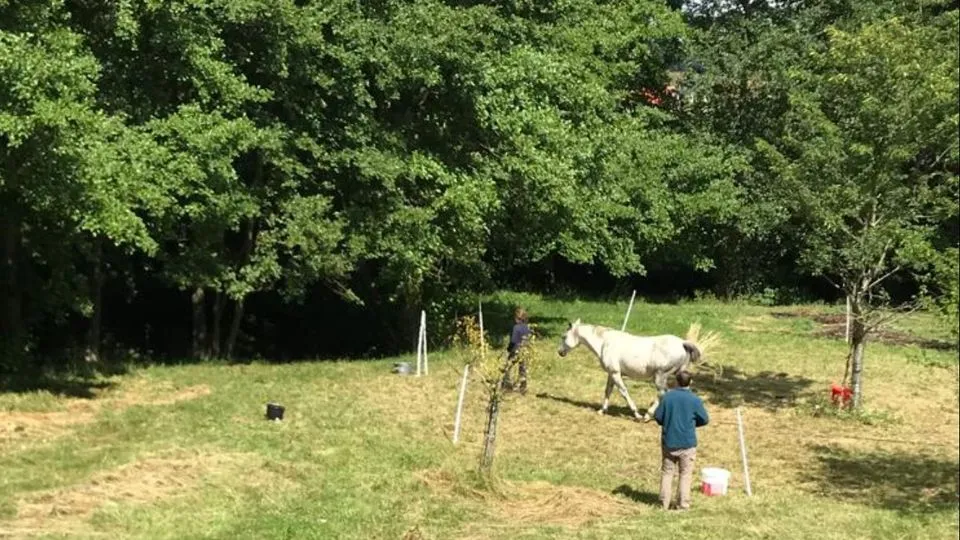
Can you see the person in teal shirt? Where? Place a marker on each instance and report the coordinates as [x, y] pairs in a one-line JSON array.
[[680, 413]]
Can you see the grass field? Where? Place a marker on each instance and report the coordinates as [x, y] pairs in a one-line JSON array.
[[184, 451]]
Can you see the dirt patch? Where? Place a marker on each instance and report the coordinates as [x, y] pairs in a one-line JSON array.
[[835, 326], [141, 482], [794, 314], [830, 318], [22, 426]]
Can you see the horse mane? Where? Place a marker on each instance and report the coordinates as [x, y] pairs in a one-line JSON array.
[[600, 330]]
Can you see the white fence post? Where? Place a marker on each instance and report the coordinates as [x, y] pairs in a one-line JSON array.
[[463, 388], [743, 454], [420, 346], [848, 319], [483, 346], [627, 316], [423, 333]]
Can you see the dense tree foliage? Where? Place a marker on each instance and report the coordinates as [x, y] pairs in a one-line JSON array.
[[850, 123], [211, 177]]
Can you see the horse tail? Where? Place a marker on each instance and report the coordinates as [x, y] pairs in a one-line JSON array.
[[693, 352], [702, 343]]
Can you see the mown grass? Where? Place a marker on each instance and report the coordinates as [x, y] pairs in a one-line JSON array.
[[184, 451]]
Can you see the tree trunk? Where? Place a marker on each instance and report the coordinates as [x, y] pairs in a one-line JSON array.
[[96, 295], [846, 369], [234, 328], [858, 342], [856, 371], [11, 296], [198, 302], [215, 334], [493, 415], [246, 250], [490, 434]]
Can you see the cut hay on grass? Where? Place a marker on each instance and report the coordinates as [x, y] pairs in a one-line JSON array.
[[444, 482], [146, 392], [23, 425], [20, 427], [543, 503], [753, 323], [413, 533], [141, 482], [532, 503]]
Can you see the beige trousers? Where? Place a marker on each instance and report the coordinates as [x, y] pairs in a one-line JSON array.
[[672, 459]]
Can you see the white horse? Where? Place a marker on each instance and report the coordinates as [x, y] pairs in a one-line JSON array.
[[622, 354]]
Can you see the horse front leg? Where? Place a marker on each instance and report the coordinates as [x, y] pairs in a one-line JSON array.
[[618, 380], [606, 395]]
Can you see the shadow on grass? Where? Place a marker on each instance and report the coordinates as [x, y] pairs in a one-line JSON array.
[[498, 321], [642, 497], [732, 387], [890, 480], [613, 410], [83, 387]]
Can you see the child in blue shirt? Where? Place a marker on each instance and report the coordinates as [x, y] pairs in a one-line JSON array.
[[518, 338]]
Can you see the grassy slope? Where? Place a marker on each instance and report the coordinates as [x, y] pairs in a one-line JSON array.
[[183, 452]]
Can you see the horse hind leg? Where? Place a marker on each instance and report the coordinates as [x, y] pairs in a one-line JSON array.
[[606, 395], [661, 382], [618, 380]]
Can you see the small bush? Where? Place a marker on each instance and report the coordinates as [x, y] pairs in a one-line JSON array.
[[821, 406]]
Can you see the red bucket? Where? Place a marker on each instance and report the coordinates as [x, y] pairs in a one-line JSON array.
[[840, 395]]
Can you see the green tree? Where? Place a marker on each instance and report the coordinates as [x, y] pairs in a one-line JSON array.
[[870, 153], [230, 88], [948, 284], [70, 175]]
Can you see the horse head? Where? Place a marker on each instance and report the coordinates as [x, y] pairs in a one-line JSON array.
[[570, 339]]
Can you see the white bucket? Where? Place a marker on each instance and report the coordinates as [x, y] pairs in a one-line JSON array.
[[714, 481]]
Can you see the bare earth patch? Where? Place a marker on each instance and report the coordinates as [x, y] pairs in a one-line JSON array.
[[25, 426], [141, 482], [834, 326]]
